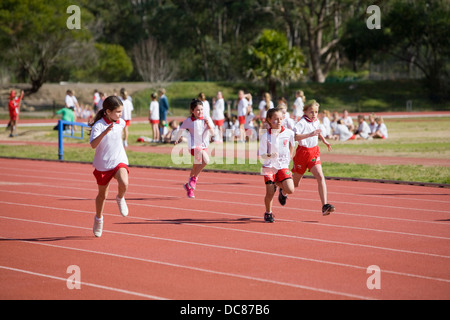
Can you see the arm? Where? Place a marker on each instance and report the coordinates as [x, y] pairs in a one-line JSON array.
[[325, 142], [96, 141], [299, 137]]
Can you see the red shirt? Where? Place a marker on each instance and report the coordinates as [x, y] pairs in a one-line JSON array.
[[14, 107]]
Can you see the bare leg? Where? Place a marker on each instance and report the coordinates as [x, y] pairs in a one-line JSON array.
[[322, 186], [100, 200], [122, 179], [268, 199]]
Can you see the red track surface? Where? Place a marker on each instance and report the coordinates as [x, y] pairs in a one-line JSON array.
[[217, 245]]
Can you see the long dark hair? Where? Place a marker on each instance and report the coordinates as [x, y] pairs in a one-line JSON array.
[[194, 104], [111, 103]]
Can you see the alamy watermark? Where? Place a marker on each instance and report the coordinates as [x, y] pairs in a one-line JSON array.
[[74, 20], [374, 21], [74, 280], [374, 280]]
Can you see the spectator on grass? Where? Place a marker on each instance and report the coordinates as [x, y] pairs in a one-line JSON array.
[[298, 105], [68, 114], [342, 132], [14, 111], [372, 124], [325, 124], [265, 104], [126, 114], [333, 123], [347, 120], [381, 132], [363, 131], [153, 116], [206, 106], [218, 115], [163, 110]]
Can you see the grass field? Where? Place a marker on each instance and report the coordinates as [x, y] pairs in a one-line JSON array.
[[420, 138]]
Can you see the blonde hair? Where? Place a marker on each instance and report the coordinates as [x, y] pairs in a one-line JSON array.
[[311, 103], [300, 93], [267, 98]]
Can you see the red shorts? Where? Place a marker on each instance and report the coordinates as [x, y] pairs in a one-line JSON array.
[[104, 177], [218, 123], [306, 158], [241, 119], [193, 151], [127, 123], [154, 121], [279, 176]]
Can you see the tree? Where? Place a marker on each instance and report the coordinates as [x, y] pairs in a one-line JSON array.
[[271, 60], [417, 33], [34, 37], [414, 32]]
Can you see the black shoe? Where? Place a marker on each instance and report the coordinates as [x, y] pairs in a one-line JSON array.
[[281, 198], [327, 209], [269, 217]]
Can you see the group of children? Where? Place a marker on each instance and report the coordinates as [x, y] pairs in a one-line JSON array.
[[343, 129], [276, 149]]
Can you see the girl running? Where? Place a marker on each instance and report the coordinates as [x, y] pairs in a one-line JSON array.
[[110, 160], [200, 129], [307, 132], [275, 148]]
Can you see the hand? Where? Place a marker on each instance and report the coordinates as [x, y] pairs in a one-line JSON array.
[[274, 155], [315, 132], [109, 128]]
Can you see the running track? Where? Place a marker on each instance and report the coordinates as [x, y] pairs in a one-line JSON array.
[[217, 247]]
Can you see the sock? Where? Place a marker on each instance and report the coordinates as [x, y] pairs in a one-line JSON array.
[[100, 220]]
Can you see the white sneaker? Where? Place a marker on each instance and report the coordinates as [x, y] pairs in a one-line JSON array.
[[123, 208], [98, 227]]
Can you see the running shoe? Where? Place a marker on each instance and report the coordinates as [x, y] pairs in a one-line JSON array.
[[98, 227], [282, 198], [190, 191], [123, 208], [327, 209], [193, 182], [269, 217]]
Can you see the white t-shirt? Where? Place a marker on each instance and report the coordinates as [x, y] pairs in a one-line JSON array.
[[343, 132], [305, 126], [281, 143], [206, 109], [199, 131], [127, 109], [347, 121], [154, 110], [364, 130], [298, 107], [262, 108], [242, 107], [326, 127], [69, 101], [383, 129], [218, 111], [110, 152]]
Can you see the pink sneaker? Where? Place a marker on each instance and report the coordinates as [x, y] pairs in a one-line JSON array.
[[190, 191], [193, 182]]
